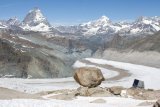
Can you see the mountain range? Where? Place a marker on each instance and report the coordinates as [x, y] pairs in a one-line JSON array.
[[35, 21], [33, 48]]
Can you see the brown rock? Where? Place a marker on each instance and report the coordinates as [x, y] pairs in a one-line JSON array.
[[143, 94], [88, 76], [94, 92], [157, 104], [83, 91], [116, 90]]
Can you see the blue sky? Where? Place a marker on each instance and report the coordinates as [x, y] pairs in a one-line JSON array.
[[70, 12]]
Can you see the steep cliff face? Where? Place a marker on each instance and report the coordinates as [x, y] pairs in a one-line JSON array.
[[150, 43], [22, 58], [147, 43], [13, 62], [139, 50]]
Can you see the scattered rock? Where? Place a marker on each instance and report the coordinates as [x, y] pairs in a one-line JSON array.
[[116, 90], [83, 91], [124, 93], [136, 93], [94, 92], [157, 103], [98, 101], [88, 76], [141, 94]]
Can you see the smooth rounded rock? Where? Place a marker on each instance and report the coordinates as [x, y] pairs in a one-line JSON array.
[[88, 76]]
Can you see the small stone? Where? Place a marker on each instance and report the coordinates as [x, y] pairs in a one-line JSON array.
[[116, 90]]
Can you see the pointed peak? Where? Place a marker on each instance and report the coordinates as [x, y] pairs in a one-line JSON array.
[[103, 20], [34, 15], [36, 21], [104, 17], [35, 9]]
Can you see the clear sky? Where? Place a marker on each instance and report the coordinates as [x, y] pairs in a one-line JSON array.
[[77, 11]]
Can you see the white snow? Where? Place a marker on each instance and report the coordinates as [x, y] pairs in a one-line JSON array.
[[156, 27], [1, 26], [125, 26], [147, 21], [40, 27], [24, 46], [116, 28], [23, 38], [91, 31], [135, 30], [149, 75], [79, 102], [38, 85]]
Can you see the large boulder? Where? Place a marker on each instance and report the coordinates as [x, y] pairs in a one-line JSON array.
[[88, 76]]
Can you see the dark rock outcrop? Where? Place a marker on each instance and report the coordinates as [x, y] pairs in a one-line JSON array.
[[13, 62], [157, 104]]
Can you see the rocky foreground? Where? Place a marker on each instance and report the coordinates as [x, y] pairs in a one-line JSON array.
[[147, 97], [116, 91], [94, 91], [90, 78]]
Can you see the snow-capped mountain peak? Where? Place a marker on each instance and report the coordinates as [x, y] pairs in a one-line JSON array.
[[35, 21], [100, 22], [34, 15], [144, 20], [147, 25], [104, 19], [13, 21], [99, 26], [143, 25]]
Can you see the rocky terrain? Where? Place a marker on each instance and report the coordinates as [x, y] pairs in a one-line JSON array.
[[109, 83]]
